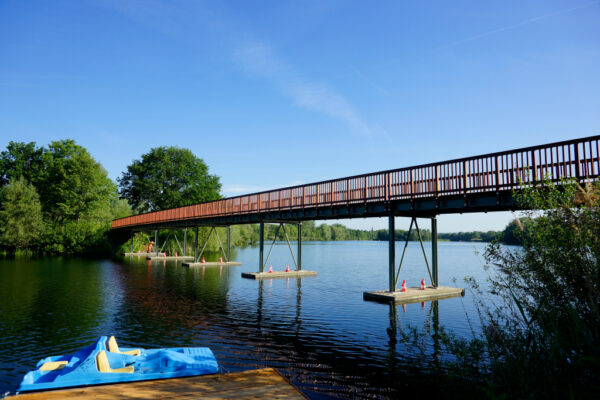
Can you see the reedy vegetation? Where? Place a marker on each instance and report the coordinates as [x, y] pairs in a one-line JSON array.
[[541, 341]]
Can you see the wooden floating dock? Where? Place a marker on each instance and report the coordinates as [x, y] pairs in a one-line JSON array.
[[211, 264], [264, 383], [278, 274], [160, 258], [140, 254], [414, 294]]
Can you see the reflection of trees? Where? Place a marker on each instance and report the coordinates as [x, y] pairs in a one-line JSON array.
[[164, 299], [50, 303]]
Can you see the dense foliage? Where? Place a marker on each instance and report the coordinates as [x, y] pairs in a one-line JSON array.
[[20, 214], [167, 177], [60, 194], [542, 341]]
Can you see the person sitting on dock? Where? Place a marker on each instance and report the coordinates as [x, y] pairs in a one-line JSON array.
[[150, 246]]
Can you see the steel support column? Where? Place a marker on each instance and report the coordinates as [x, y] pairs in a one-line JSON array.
[[392, 253], [299, 267], [196, 247], [184, 241], [156, 241], [434, 252], [261, 233], [228, 242], [131, 247]]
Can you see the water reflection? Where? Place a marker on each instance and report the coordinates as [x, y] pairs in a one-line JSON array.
[[317, 332]]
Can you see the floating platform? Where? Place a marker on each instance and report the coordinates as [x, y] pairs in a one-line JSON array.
[[278, 274], [211, 264], [140, 254], [160, 258], [414, 294], [259, 383]]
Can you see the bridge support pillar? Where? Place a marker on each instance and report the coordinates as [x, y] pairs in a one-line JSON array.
[[184, 241], [196, 247], [131, 245], [156, 241], [228, 242], [434, 252], [392, 253], [299, 267], [261, 250]]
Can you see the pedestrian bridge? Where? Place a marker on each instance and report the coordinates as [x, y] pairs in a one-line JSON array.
[[473, 184]]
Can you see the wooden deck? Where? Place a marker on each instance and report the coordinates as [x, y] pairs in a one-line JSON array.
[[264, 383], [163, 258], [278, 274], [414, 294], [211, 264]]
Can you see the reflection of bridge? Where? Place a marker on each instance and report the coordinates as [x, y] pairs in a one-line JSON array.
[[480, 183]]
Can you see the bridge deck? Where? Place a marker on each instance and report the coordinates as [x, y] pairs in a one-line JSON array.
[[481, 183]]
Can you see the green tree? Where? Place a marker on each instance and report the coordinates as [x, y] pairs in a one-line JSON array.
[[73, 184], [515, 229], [167, 177], [21, 160], [21, 215]]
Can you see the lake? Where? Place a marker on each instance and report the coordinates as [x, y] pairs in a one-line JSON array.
[[317, 331]]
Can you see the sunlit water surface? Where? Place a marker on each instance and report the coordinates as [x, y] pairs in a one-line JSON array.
[[318, 331]]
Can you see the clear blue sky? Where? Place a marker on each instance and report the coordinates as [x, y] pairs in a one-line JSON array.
[[274, 93]]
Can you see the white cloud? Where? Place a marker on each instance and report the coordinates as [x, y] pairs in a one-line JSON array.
[[259, 60]]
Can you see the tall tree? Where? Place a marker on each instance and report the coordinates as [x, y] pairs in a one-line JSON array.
[[21, 215], [167, 177], [21, 160], [74, 184]]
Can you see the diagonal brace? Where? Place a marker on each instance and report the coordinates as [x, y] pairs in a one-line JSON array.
[[165, 243], [413, 221]]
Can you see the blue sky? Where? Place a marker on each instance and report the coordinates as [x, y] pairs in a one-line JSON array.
[[275, 93]]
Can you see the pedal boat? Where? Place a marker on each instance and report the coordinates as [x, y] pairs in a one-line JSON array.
[[103, 362]]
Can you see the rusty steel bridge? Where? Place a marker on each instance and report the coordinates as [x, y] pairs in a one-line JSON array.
[[474, 184]]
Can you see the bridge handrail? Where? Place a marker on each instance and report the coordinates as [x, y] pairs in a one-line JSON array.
[[505, 170]]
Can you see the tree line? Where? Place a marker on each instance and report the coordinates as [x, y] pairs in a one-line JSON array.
[[476, 236], [57, 199]]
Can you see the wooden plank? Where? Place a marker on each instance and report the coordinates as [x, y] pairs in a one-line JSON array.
[[259, 383]]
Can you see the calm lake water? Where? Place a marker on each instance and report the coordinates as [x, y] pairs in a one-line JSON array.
[[317, 331]]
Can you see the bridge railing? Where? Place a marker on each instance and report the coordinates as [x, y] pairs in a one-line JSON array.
[[494, 172]]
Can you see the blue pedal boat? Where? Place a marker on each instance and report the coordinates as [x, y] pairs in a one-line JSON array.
[[104, 362]]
